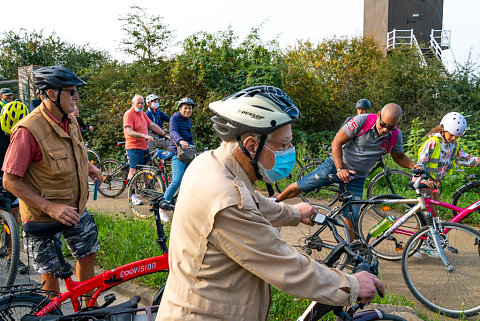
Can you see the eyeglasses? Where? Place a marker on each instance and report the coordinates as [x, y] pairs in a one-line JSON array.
[[71, 91], [383, 125], [283, 146]]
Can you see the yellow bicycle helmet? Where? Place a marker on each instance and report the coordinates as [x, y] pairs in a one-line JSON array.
[[11, 114]]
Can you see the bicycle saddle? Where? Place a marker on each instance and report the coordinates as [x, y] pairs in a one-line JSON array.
[[421, 186], [44, 229], [120, 143], [334, 178]]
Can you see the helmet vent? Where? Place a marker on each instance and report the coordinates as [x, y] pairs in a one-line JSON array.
[[261, 107]]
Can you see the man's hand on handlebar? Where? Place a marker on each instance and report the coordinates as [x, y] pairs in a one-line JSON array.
[[149, 138], [344, 175], [307, 211], [369, 285]]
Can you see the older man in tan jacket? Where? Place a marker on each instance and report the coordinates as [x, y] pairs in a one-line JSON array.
[[224, 249]]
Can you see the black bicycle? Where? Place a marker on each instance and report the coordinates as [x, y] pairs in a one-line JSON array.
[[9, 241], [360, 261], [386, 181]]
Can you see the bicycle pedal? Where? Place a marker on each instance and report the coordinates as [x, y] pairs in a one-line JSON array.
[[399, 249]]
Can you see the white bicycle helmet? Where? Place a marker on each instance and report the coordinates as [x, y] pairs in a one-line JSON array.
[[259, 109], [150, 98], [454, 123]]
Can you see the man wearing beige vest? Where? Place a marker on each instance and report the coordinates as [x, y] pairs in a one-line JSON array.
[[224, 247], [46, 167]]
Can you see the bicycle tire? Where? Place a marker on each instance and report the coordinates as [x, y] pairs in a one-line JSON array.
[[159, 295], [114, 178], [14, 308], [400, 179], [390, 248], [302, 238], [146, 184], [281, 185], [455, 293], [9, 239], [330, 193], [93, 157], [466, 195]]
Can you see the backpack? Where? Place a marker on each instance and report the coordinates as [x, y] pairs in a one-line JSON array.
[[368, 124]]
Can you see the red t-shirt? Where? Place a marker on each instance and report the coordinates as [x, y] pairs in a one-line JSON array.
[[139, 123]]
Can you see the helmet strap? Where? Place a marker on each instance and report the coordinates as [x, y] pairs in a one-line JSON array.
[[254, 162], [57, 103]]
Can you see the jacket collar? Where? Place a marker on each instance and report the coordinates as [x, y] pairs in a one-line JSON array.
[[234, 167]]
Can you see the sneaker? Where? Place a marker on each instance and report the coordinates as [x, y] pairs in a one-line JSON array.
[[164, 217], [417, 255], [426, 249], [136, 200], [22, 268]]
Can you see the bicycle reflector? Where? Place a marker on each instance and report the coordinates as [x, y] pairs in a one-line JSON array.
[[386, 208]]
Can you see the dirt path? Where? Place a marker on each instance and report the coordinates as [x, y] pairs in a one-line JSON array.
[[390, 271]]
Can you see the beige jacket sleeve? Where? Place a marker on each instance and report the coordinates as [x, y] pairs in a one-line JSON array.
[[278, 214], [248, 239]]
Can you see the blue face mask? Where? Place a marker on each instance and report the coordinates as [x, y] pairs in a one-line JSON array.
[[138, 109], [284, 163]]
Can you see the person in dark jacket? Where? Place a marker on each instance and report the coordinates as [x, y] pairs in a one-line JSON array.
[[156, 116], [180, 133]]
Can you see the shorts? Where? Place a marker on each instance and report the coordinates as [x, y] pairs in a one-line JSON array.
[[138, 157], [82, 240], [319, 178]]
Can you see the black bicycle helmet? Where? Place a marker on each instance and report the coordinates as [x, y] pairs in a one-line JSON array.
[[362, 103], [259, 109], [185, 100], [56, 77]]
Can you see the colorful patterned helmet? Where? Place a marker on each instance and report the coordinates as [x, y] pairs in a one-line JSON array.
[[11, 114]]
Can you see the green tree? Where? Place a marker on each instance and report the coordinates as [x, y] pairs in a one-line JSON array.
[[22, 48], [147, 37]]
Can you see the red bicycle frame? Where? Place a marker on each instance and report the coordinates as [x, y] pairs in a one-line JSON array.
[[105, 281]]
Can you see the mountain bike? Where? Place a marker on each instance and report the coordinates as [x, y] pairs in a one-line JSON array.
[[380, 184], [24, 299], [364, 261], [115, 175], [9, 241]]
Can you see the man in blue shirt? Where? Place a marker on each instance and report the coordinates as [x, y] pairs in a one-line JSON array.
[[155, 115]]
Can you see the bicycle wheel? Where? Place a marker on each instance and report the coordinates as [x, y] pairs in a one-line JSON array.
[[329, 193], [466, 195], [93, 157], [145, 184], [392, 246], [316, 241], [114, 178], [14, 308], [9, 248], [398, 184], [159, 295], [456, 291]]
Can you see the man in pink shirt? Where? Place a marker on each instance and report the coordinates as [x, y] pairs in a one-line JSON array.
[[135, 129]]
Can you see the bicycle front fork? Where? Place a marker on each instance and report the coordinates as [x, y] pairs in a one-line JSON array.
[[435, 231]]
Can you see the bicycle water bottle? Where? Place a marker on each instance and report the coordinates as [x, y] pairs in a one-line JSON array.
[[381, 226]]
